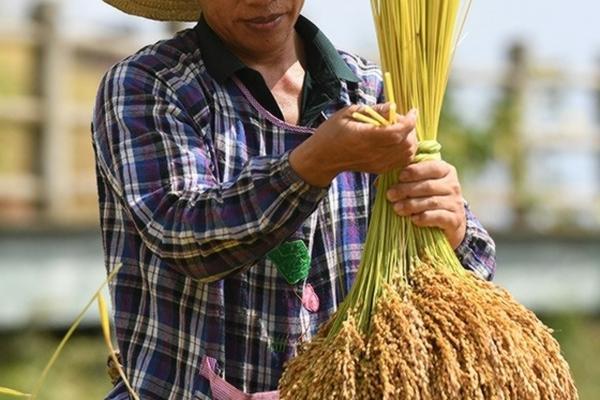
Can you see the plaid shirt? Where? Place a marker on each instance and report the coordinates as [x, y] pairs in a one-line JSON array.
[[195, 188]]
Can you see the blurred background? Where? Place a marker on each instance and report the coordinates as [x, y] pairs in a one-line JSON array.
[[522, 123]]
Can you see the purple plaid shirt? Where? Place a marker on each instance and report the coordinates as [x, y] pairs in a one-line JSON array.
[[195, 189]]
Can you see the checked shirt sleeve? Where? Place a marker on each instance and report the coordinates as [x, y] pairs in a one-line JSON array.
[[157, 162], [477, 252]]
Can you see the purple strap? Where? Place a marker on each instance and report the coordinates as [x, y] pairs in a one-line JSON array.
[[223, 390], [266, 113]]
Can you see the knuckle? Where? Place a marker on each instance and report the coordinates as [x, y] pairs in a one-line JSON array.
[[352, 108], [414, 146], [428, 186], [456, 223], [456, 206], [439, 169], [417, 219], [412, 136], [450, 170], [402, 138], [455, 187], [423, 217], [409, 171], [406, 129]]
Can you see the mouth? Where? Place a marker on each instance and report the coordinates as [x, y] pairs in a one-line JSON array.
[[265, 22]]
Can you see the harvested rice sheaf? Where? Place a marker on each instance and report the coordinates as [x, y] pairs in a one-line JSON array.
[[504, 351], [416, 324], [325, 369], [397, 329], [445, 337]]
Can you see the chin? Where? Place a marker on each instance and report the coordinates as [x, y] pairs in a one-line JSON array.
[[261, 44]]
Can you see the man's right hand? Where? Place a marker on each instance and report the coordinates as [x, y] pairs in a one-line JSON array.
[[342, 144]]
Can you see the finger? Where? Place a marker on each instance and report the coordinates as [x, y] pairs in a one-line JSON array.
[[385, 109], [377, 112], [442, 219], [419, 205], [410, 117], [376, 116], [393, 135], [359, 115], [428, 188], [349, 110], [381, 108], [370, 117], [425, 170], [453, 225]]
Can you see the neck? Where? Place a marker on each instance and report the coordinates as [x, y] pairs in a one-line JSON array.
[[274, 65]]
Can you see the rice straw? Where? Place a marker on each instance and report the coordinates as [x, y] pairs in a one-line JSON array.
[[363, 118], [375, 115]]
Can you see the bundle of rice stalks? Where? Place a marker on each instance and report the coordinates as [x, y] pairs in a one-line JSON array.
[[416, 324]]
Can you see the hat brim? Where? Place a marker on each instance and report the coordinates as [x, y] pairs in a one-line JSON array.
[[160, 10]]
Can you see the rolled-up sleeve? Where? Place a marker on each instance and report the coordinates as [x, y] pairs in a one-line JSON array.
[[477, 252], [159, 164]]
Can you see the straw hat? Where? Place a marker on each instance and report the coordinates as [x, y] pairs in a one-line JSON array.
[[160, 10]]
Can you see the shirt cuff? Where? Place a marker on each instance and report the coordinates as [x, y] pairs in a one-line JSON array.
[[292, 179], [465, 246], [477, 251]]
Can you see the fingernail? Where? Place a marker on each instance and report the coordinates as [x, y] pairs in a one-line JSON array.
[[399, 207], [391, 194]]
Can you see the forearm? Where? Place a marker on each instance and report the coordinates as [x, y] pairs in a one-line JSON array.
[[311, 165]]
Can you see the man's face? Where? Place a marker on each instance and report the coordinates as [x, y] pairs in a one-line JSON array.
[[253, 27]]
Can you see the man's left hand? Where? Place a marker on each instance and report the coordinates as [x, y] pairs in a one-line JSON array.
[[430, 194]]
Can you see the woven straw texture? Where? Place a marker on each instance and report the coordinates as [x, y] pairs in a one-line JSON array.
[[160, 10]]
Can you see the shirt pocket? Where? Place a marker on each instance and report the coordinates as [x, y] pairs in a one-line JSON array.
[[223, 390]]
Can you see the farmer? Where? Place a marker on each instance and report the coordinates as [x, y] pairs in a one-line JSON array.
[[235, 191]]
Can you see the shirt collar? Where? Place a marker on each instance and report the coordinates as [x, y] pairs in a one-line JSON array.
[[322, 56]]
